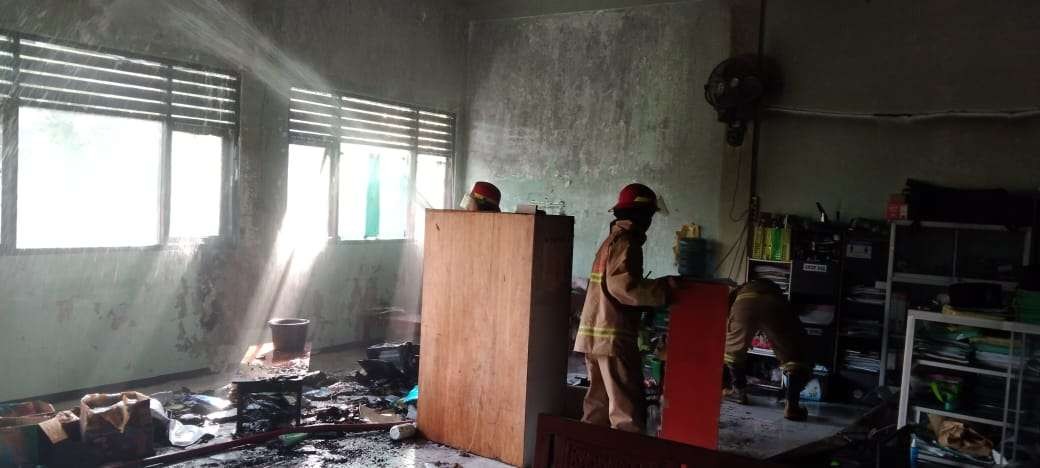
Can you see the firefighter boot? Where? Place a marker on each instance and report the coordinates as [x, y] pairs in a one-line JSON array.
[[794, 412], [795, 383], [737, 390]]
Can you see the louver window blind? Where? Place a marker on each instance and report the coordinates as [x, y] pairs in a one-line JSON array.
[[50, 73], [318, 117], [6, 67]]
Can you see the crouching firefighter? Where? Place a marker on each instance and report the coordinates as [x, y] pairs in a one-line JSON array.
[[760, 305]]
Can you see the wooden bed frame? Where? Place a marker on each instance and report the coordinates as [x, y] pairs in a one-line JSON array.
[[566, 443]]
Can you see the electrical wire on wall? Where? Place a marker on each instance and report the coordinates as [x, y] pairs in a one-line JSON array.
[[736, 151], [909, 117], [735, 265], [756, 136], [738, 243]]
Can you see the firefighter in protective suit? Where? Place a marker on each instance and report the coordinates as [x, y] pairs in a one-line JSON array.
[[760, 305], [610, 318]]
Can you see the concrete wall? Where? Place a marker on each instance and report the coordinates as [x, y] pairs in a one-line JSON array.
[[564, 106], [73, 320], [890, 56], [574, 106]]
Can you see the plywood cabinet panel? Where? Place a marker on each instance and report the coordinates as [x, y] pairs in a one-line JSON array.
[[494, 329]]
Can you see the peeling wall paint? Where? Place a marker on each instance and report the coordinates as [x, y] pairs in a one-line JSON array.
[[572, 107], [76, 320], [83, 319]]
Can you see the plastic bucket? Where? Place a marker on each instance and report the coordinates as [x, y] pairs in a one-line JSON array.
[[289, 334]]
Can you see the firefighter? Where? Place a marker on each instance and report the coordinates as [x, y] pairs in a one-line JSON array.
[[760, 305], [617, 295], [483, 197]]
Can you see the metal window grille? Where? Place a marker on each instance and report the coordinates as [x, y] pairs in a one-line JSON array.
[[56, 74], [329, 119], [51, 73], [320, 117], [7, 63]]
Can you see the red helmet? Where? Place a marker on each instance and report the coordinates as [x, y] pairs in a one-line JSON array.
[[636, 196], [486, 192]]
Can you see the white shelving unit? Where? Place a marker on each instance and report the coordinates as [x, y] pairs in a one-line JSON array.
[[936, 280], [1022, 336], [898, 277], [762, 352], [940, 461]]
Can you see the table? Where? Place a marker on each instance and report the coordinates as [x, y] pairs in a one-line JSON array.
[[266, 370]]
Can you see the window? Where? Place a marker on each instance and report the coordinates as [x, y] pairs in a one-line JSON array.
[[307, 203], [196, 179], [373, 196], [112, 150], [87, 180], [431, 178], [387, 163]]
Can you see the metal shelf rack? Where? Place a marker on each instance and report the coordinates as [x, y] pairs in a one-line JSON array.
[[1022, 339], [898, 277]]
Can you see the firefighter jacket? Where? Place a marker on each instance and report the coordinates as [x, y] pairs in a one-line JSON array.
[[617, 294]]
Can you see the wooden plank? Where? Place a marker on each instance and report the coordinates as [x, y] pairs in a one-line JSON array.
[[486, 371], [693, 372]]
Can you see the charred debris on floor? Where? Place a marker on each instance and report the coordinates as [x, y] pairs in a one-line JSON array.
[[286, 414]]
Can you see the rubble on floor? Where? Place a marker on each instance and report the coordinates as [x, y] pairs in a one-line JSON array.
[[385, 392], [358, 450], [760, 431]]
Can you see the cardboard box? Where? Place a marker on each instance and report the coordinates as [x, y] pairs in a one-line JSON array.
[[116, 426], [21, 439]]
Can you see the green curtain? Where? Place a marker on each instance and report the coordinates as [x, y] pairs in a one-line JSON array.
[[372, 204]]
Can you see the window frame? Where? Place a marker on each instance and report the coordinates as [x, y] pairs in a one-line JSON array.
[[229, 134], [332, 147]]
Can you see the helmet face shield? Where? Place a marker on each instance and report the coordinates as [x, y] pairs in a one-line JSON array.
[[466, 201], [476, 202]]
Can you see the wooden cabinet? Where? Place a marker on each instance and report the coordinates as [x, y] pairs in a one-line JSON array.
[[495, 305]]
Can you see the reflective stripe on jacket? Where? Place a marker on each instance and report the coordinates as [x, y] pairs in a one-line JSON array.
[[617, 293]]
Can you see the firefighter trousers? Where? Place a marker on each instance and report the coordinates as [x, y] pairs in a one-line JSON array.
[[615, 397]]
